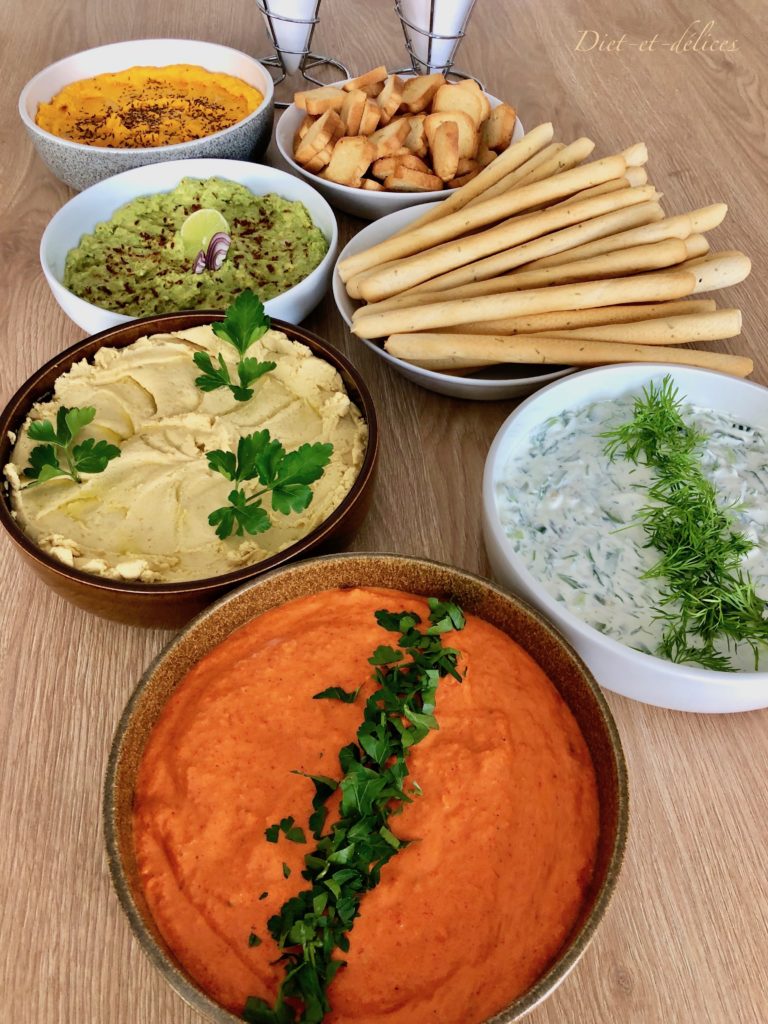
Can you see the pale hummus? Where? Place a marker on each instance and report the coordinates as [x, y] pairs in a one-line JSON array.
[[145, 517]]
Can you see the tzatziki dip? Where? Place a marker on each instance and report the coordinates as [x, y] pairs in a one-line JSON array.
[[572, 516]]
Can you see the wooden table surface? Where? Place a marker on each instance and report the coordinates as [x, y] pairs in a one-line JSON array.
[[686, 936]]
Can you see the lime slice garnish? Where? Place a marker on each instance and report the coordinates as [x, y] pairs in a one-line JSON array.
[[198, 230]]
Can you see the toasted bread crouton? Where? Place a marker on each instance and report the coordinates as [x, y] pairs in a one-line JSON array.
[[317, 101], [351, 158], [467, 164], [462, 179], [418, 92], [327, 128], [389, 98], [406, 180], [469, 137], [445, 150], [387, 165], [498, 129], [352, 111], [370, 119], [453, 97], [390, 138], [372, 186], [372, 77], [471, 84], [303, 128], [320, 160], [416, 139]]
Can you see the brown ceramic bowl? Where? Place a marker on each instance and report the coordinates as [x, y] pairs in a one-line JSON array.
[[172, 604], [553, 653]]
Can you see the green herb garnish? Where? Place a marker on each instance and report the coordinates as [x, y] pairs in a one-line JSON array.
[[707, 597], [348, 858], [89, 456], [289, 830], [287, 475], [245, 322], [337, 693], [254, 940]]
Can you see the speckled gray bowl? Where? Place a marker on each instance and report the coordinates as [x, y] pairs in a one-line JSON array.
[[80, 165], [534, 633]]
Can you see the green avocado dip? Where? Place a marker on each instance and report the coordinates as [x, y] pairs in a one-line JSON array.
[[137, 264]]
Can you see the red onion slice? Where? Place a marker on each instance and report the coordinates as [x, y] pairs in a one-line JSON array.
[[218, 247], [199, 265]]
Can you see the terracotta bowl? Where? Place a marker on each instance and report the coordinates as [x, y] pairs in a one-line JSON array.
[[541, 640], [172, 604]]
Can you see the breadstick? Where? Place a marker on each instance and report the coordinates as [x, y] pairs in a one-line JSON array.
[[636, 175], [645, 234], [618, 264], [655, 287], [635, 156], [454, 225], [564, 160], [435, 351], [554, 323], [353, 284], [407, 273], [558, 241], [696, 245], [673, 330], [512, 157], [511, 179], [599, 190], [573, 154], [707, 217], [719, 270]]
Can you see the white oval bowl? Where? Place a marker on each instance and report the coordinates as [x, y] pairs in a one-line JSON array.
[[80, 165], [495, 385], [357, 201], [99, 202], [617, 667]]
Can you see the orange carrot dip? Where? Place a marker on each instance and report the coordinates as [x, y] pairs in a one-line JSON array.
[[145, 106], [464, 919]]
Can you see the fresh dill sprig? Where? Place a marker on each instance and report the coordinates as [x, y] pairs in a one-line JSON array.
[[706, 596]]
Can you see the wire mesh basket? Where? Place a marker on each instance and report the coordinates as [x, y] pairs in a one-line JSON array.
[[433, 31], [291, 35]]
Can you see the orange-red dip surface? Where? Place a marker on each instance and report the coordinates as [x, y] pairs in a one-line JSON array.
[[465, 919]]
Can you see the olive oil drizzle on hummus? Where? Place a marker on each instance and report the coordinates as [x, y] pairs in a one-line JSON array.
[[348, 858]]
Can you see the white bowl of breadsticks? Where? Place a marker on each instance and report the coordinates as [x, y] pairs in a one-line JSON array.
[[560, 262], [382, 142]]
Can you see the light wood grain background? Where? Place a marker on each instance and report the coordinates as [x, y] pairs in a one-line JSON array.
[[686, 938]]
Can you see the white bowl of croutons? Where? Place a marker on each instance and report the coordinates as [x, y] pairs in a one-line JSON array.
[[378, 143]]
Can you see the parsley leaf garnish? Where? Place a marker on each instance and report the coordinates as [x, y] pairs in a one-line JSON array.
[[287, 475], [337, 693], [346, 861], [254, 940], [244, 323], [90, 456], [291, 831]]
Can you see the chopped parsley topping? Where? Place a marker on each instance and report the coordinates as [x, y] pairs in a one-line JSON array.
[[347, 859]]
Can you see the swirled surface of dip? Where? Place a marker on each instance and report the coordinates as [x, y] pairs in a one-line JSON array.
[[144, 107], [136, 263], [571, 515], [146, 516], [464, 919]]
